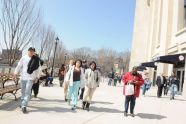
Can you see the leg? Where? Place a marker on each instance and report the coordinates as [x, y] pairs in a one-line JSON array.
[[36, 90], [85, 96], [74, 96], [132, 104], [161, 90], [92, 90], [27, 93], [144, 89], [127, 100], [23, 87], [82, 92], [158, 91]]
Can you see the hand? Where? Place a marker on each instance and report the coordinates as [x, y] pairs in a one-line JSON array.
[[14, 77]]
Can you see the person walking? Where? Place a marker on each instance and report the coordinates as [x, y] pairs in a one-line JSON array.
[[28, 68], [160, 82], [111, 76], [174, 83], [61, 75], [74, 75], [132, 83], [42, 76], [92, 79], [82, 87], [147, 83], [66, 79]]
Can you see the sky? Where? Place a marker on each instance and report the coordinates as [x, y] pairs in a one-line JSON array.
[[91, 23]]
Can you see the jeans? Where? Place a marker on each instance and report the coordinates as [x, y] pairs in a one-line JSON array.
[[144, 89], [73, 93], [26, 86], [173, 90], [132, 100]]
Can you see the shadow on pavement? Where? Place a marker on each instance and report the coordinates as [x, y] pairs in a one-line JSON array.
[[99, 102], [106, 110], [47, 100], [50, 109], [9, 106], [150, 116]]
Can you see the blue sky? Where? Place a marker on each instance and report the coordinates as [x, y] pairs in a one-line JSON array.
[[91, 23]]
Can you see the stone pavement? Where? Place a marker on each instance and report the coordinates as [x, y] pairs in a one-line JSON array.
[[107, 108]]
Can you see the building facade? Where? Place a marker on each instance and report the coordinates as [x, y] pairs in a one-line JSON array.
[[159, 37]]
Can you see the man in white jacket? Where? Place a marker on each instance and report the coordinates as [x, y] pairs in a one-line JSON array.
[[27, 79]]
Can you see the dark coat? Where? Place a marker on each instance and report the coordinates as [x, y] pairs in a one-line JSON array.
[[33, 64], [159, 82]]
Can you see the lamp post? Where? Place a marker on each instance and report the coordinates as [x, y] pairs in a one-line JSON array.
[[57, 39]]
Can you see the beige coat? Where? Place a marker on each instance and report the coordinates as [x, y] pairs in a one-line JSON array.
[[92, 78]]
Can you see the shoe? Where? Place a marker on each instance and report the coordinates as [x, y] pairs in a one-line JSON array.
[[125, 114], [35, 96], [83, 105], [24, 110], [132, 114], [73, 108], [88, 106]]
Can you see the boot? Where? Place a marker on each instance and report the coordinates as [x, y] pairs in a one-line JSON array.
[[83, 105], [87, 106]]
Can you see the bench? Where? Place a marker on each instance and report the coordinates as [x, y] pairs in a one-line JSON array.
[[8, 85]]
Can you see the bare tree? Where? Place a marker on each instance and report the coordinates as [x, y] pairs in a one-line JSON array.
[[83, 53], [19, 23]]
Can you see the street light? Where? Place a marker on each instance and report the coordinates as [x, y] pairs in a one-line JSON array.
[[57, 39]]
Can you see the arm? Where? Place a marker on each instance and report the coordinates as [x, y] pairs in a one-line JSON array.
[[140, 81], [124, 79], [19, 66]]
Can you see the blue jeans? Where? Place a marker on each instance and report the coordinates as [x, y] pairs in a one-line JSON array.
[[73, 93], [26, 86], [173, 89], [144, 88]]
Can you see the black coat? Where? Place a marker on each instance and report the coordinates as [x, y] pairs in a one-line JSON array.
[[33, 64], [159, 82]]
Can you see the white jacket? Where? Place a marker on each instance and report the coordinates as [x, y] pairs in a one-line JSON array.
[[69, 76], [22, 69], [92, 78]]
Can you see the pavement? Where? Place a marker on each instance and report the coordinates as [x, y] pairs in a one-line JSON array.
[[106, 108]]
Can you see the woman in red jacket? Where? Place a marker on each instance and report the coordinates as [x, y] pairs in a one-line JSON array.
[[136, 80]]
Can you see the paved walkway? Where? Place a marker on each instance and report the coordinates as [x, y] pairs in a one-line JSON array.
[[107, 108]]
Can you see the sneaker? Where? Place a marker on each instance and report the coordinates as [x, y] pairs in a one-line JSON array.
[[125, 114], [24, 110], [132, 114], [73, 108]]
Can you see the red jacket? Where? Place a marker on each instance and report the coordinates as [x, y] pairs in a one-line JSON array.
[[127, 77]]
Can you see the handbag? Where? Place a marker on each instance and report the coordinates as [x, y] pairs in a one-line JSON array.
[[129, 89]]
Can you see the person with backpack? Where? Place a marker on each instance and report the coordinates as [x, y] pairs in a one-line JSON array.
[[28, 67], [92, 77]]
